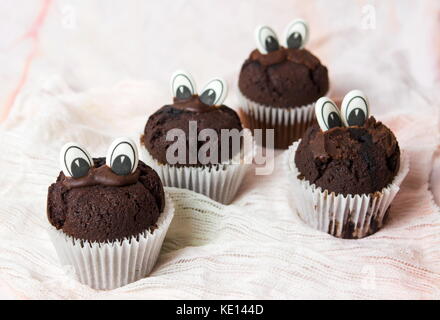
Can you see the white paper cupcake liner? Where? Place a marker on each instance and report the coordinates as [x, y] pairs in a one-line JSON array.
[[289, 123], [218, 182], [351, 216], [107, 266]]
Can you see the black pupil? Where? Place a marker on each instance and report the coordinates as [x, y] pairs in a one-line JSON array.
[[183, 93], [208, 97], [294, 41], [333, 120], [271, 44], [79, 167], [121, 165], [356, 117]]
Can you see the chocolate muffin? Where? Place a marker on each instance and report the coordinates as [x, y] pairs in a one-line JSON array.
[[349, 160], [179, 115], [109, 215], [104, 200], [196, 142], [346, 170], [105, 207], [279, 85]]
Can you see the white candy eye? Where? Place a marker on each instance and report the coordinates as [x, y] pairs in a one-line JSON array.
[[182, 85], [355, 109], [122, 156], [75, 161], [267, 40], [214, 93], [297, 34], [327, 114]]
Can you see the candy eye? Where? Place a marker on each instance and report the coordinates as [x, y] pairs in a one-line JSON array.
[[75, 161], [122, 156], [327, 114], [355, 109], [182, 85], [214, 92], [267, 40], [297, 34]]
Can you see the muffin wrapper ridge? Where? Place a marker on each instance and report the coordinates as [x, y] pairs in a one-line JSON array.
[[289, 123], [219, 182], [351, 216], [107, 266]]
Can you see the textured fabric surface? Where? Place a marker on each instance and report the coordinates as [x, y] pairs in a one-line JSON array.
[[256, 247]]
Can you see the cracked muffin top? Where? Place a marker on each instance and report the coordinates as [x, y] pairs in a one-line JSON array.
[[283, 77]]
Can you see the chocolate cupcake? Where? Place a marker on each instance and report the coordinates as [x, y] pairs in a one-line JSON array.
[[279, 85], [109, 215], [187, 144], [347, 169]]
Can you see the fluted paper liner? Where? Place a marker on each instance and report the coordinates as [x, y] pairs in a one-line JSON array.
[[107, 266], [351, 216], [219, 182], [289, 123]]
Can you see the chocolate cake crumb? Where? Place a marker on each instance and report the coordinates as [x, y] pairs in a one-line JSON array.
[[101, 213], [297, 80], [174, 116], [349, 160]]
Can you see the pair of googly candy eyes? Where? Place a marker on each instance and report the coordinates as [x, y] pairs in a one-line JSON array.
[[183, 87], [122, 158], [296, 36], [354, 111]]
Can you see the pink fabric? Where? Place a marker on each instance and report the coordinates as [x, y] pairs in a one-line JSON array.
[[257, 247]]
